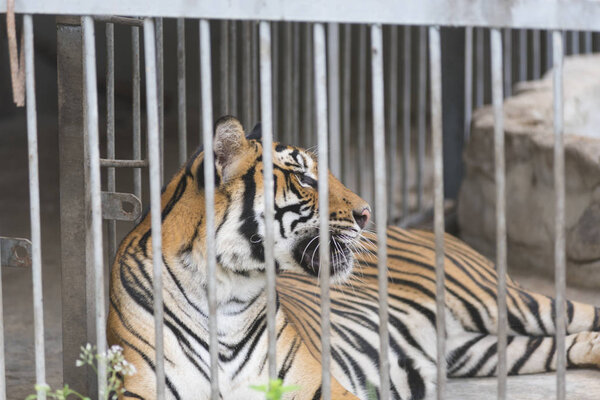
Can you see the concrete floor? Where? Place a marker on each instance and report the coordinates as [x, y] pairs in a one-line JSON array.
[[17, 293]]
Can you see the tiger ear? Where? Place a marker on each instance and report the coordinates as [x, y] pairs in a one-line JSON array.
[[229, 143]]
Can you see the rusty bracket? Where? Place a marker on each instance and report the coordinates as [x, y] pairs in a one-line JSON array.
[[121, 206], [15, 252]]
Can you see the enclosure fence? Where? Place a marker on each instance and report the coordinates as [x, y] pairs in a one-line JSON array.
[[315, 62]]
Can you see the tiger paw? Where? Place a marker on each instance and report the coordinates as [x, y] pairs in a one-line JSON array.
[[585, 352]]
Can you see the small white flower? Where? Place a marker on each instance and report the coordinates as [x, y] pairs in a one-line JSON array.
[[79, 363]]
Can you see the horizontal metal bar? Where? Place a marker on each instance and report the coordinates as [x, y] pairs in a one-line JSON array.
[[119, 20], [123, 163], [121, 206], [15, 252], [540, 14]]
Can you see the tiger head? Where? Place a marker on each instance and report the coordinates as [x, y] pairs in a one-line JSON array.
[[239, 206]]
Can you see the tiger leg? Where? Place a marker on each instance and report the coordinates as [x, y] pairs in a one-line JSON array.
[[474, 354], [533, 314]]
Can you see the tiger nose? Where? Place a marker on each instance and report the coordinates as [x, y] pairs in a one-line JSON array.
[[362, 216]]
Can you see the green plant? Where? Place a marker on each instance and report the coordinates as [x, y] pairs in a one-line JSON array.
[[116, 366], [275, 389]]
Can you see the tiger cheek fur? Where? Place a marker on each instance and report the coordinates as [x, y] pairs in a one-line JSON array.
[[240, 230]]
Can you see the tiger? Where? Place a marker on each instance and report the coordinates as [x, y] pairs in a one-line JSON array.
[[471, 312]]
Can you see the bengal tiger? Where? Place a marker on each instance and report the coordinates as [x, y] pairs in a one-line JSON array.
[[471, 311]]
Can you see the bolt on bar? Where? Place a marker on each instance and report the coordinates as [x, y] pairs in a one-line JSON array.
[[435, 70], [91, 118], [346, 101], [380, 205], [209, 195], [522, 55], [559, 235], [137, 119], [34, 207], [406, 100], [110, 130], [181, 94], [421, 122], [393, 118], [333, 79], [2, 350], [497, 100], [507, 62], [154, 158], [160, 93], [480, 77], [267, 141], [320, 71], [468, 80]]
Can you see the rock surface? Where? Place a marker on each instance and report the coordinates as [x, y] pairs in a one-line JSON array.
[[530, 204]]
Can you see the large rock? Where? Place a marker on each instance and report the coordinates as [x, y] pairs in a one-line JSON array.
[[530, 195]]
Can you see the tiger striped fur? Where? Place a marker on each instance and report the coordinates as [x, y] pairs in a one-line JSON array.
[[470, 291]]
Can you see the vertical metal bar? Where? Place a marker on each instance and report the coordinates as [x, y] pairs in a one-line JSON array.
[[587, 42], [110, 130], [537, 55], [421, 122], [320, 71], [559, 235], [288, 89], [267, 140], [363, 180], [548, 50], [91, 117], [181, 94], [2, 349], [497, 100], [381, 207], [480, 74], [406, 120], [435, 70], [209, 195], [522, 55], [161, 94], [469, 79], [275, 80], [233, 82], [574, 42], [307, 133], [34, 207], [507, 62], [155, 205], [137, 123], [296, 85], [347, 101], [255, 74], [393, 119], [224, 68], [247, 73], [332, 78]]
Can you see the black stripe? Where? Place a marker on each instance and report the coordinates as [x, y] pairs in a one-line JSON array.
[[532, 345]]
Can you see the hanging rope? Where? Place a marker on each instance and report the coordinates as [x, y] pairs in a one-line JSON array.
[[17, 64]]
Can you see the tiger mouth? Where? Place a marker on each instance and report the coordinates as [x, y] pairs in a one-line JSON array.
[[307, 254]]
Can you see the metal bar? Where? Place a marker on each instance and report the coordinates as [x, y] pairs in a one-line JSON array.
[[91, 117], [209, 196], [247, 73], [531, 14], [522, 55], [320, 68], [548, 50], [2, 349], [537, 54], [233, 82], [296, 85], [154, 156], [137, 123], [288, 89], [480, 74], [275, 80], [393, 119], [108, 163], [181, 93], [307, 128], [497, 101], [381, 207], [34, 208], [361, 88], [255, 74], [347, 103], [110, 131], [574, 42], [587, 42], [468, 80], [421, 122], [76, 268], [113, 19], [161, 93], [406, 120], [333, 80], [507, 62], [559, 238], [267, 141], [435, 70], [224, 68]]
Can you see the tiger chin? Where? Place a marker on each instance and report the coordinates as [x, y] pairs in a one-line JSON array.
[[241, 300]]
